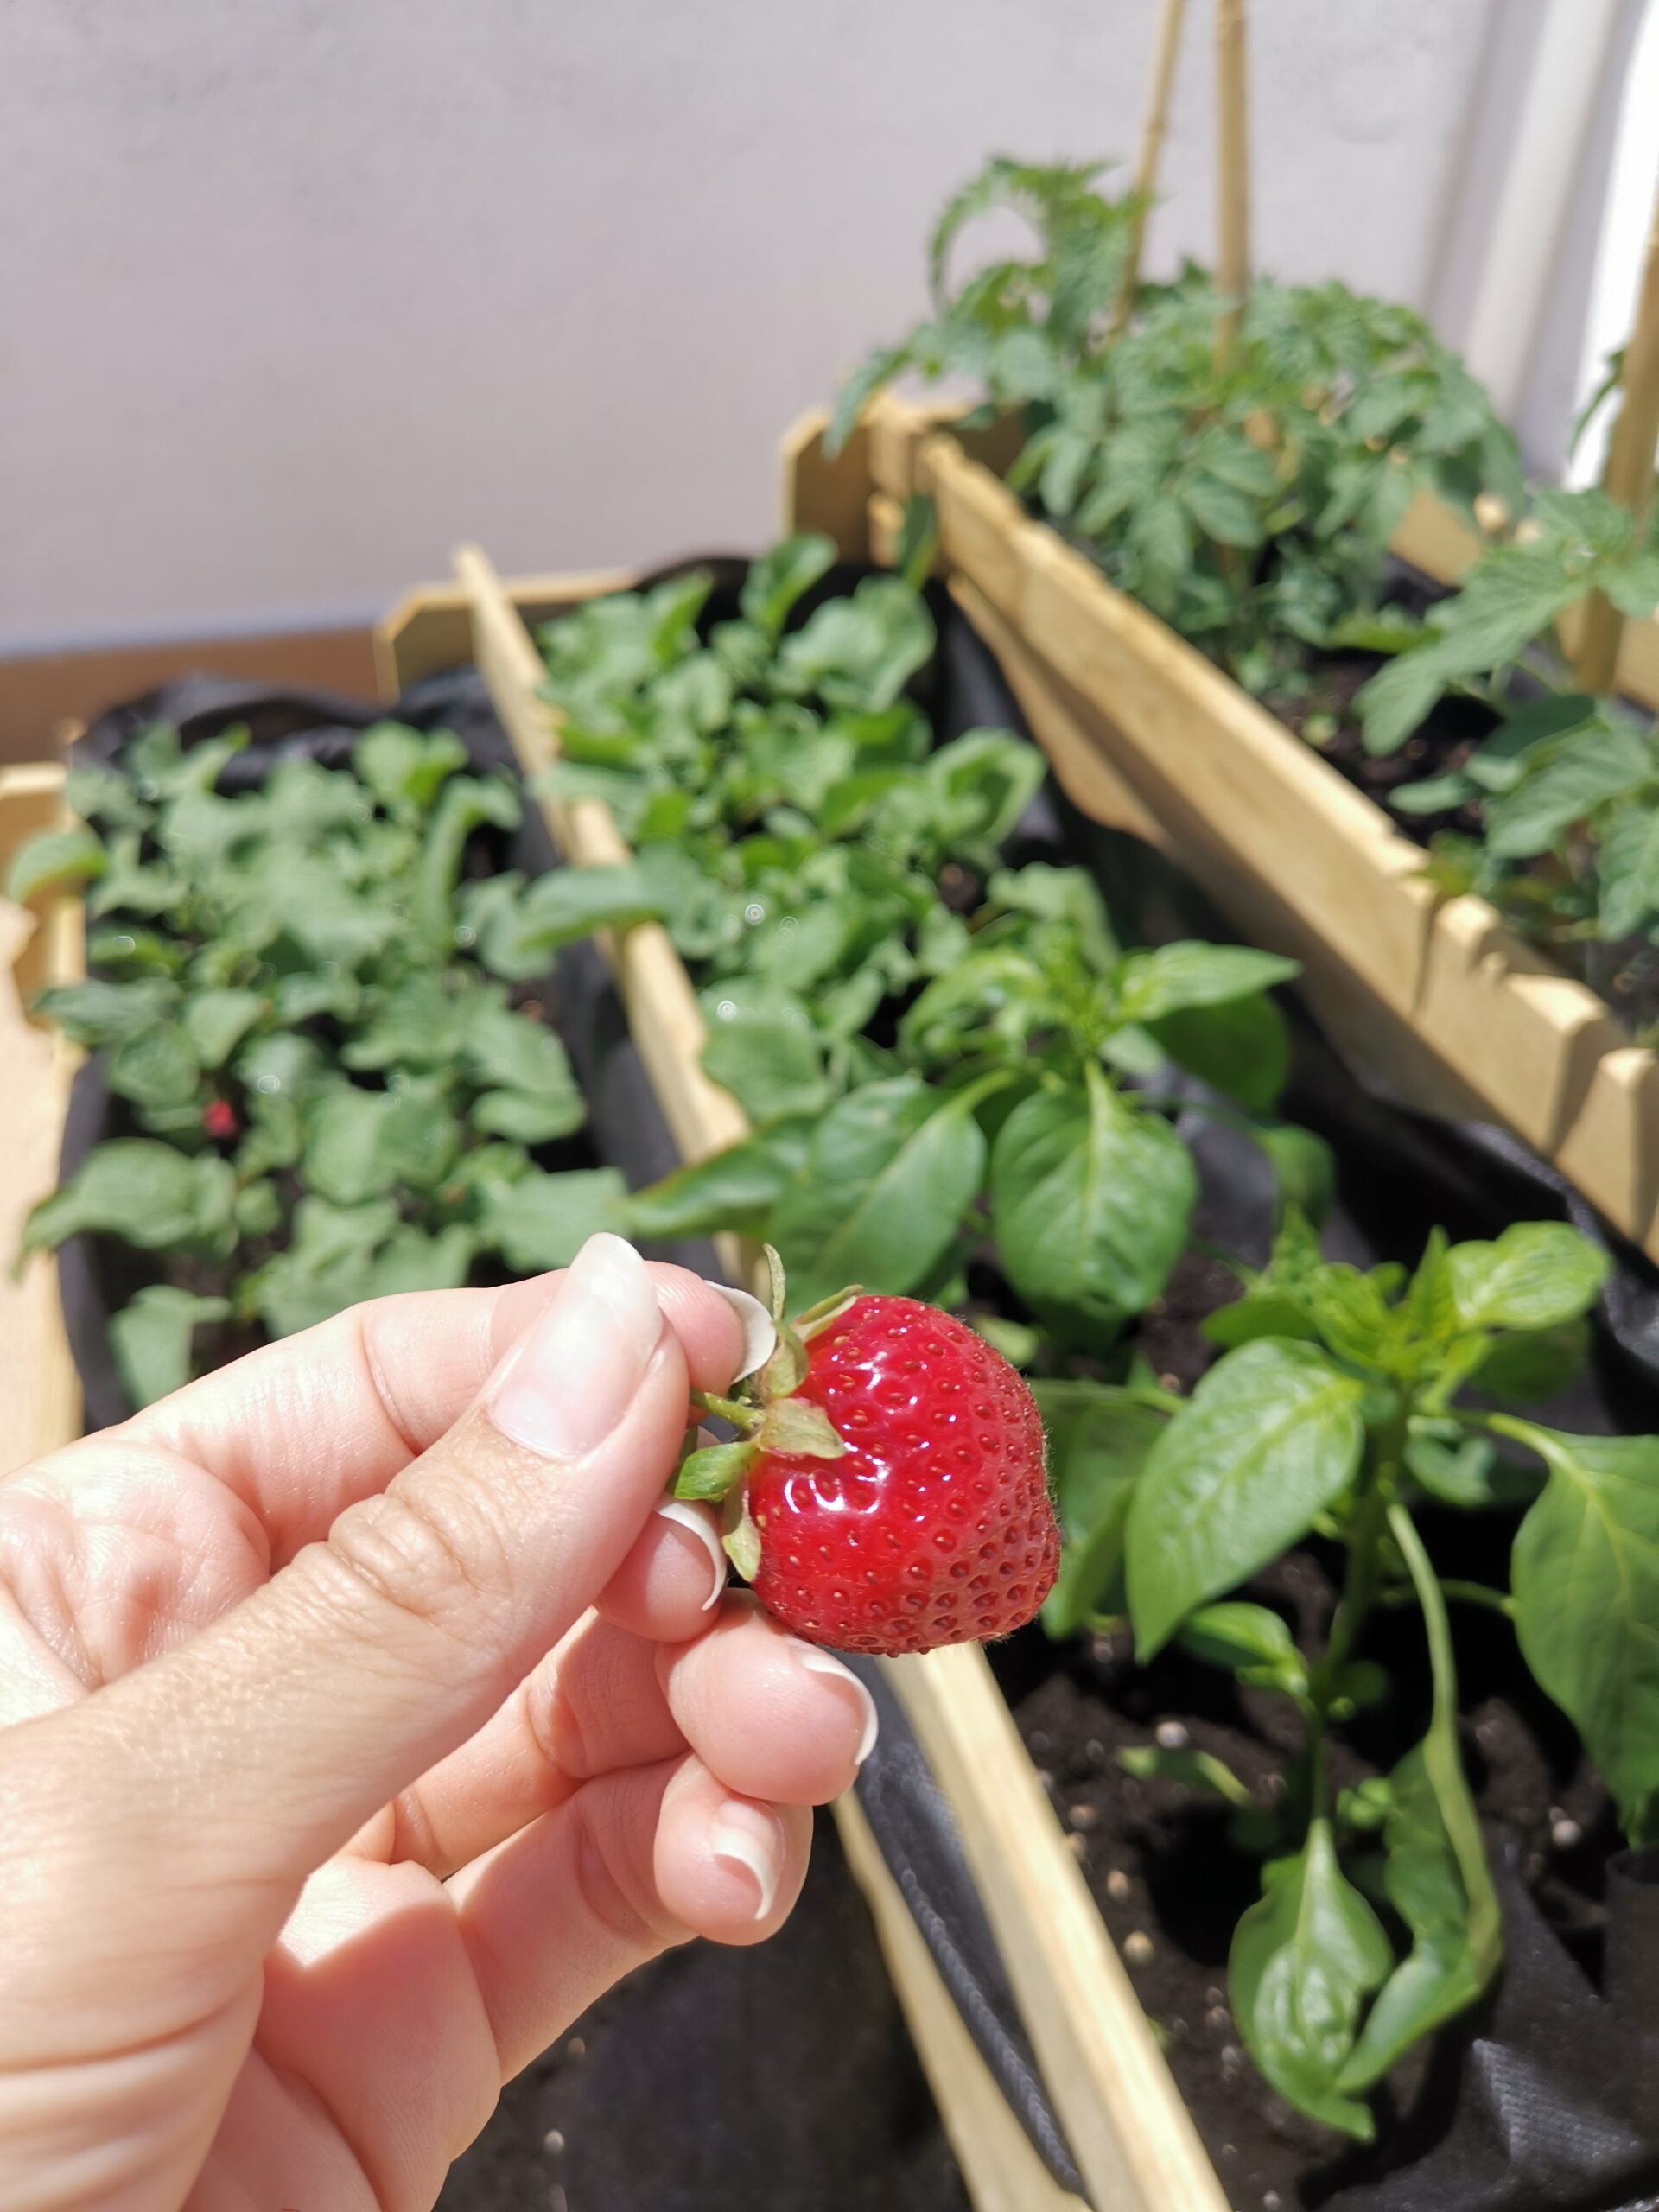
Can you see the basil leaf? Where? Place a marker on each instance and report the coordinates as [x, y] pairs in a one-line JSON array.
[[733, 1189], [1241, 1048], [1177, 976], [1090, 1199], [1304, 1958], [889, 1173], [1271, 1435]]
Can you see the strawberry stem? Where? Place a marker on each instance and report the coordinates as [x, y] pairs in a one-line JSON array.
[[744, 1417]]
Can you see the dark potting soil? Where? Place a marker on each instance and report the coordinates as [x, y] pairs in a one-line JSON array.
[[781, 2079]]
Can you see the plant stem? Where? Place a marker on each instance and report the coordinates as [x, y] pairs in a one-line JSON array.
[[741, 1416], [1465, 1593], [1232, 175], [1629, 474], [1359, 1577], [1152, 146]]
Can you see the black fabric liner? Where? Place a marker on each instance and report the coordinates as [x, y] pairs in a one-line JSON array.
[[1552, 2091]]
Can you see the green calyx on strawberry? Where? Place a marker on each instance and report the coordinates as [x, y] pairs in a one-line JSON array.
[[886, 1490]]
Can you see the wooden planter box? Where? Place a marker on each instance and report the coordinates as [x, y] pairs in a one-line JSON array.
[[1452, 1010], [1133, 2140]]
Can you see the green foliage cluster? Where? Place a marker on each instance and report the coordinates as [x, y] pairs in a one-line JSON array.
[[303, 1006], [1566, 786], [924, 1081], [1338, 1409], [1247, 495]]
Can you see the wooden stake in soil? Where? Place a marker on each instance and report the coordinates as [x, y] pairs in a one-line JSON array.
[[1232, 172], [1628, 475], [1152, 146]]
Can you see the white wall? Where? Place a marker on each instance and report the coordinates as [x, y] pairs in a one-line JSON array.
[[294, 295]]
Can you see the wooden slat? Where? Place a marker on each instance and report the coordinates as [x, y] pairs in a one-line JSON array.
[[40, 1391], [999, 2169], [1133, 2138], [1300, 857]]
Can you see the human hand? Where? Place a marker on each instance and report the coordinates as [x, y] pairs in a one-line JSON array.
[[360, 1722]]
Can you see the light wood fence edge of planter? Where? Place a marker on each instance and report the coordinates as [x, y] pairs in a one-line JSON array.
[[31, 799], [1134, 2139], [1446, 1003]]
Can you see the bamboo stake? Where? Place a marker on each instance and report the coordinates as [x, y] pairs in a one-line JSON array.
[[1232, 172], [1152, 146], [1629, 474]]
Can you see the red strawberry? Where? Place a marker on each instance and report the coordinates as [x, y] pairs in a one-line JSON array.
[[911, 1508], [219, 1119]]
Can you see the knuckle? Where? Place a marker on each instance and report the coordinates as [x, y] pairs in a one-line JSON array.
[[612, 1891], [441, 1564]]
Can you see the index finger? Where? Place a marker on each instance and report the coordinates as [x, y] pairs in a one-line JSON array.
[[301, 1428]]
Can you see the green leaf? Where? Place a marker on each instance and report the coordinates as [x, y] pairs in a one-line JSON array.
[[569, 903], [151, 1338], [889, 1173], [733, 1189], [216, 1021], [1533, 1364], [1627, 871], [528, 1117], [144, 1192], [1271, 1435], [1581, 775], [55, 860], [710, 1473], [1252, 1642], [1175, 977], [860, 653], [1304, 1958], [157, 1068], [513, 1053], [363, 1144], [1536, 1276], [412, 1259], [1436, 1876], [779, 577], [764, 1047], [1098, 1439], [1228, 516], [1434, 795], [543, 1220], [1091, 1200], [94, 1012], [405, 768], [1585, 1579], [1241, 1048]]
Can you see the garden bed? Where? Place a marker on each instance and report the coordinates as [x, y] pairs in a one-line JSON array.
[[1435, 993], [1134, 2139]]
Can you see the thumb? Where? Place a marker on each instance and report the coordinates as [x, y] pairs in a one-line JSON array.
[[236, 1765]]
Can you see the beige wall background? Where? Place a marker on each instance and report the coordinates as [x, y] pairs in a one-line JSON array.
[[294, 296]]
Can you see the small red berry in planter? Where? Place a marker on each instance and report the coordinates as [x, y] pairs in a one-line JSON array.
[[887, 1491], [219, 1120]]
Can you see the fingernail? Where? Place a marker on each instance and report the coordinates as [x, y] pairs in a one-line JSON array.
[[749, 1838], [574, 1373], [759, 1330], [816, 1661], [687, 1517]]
